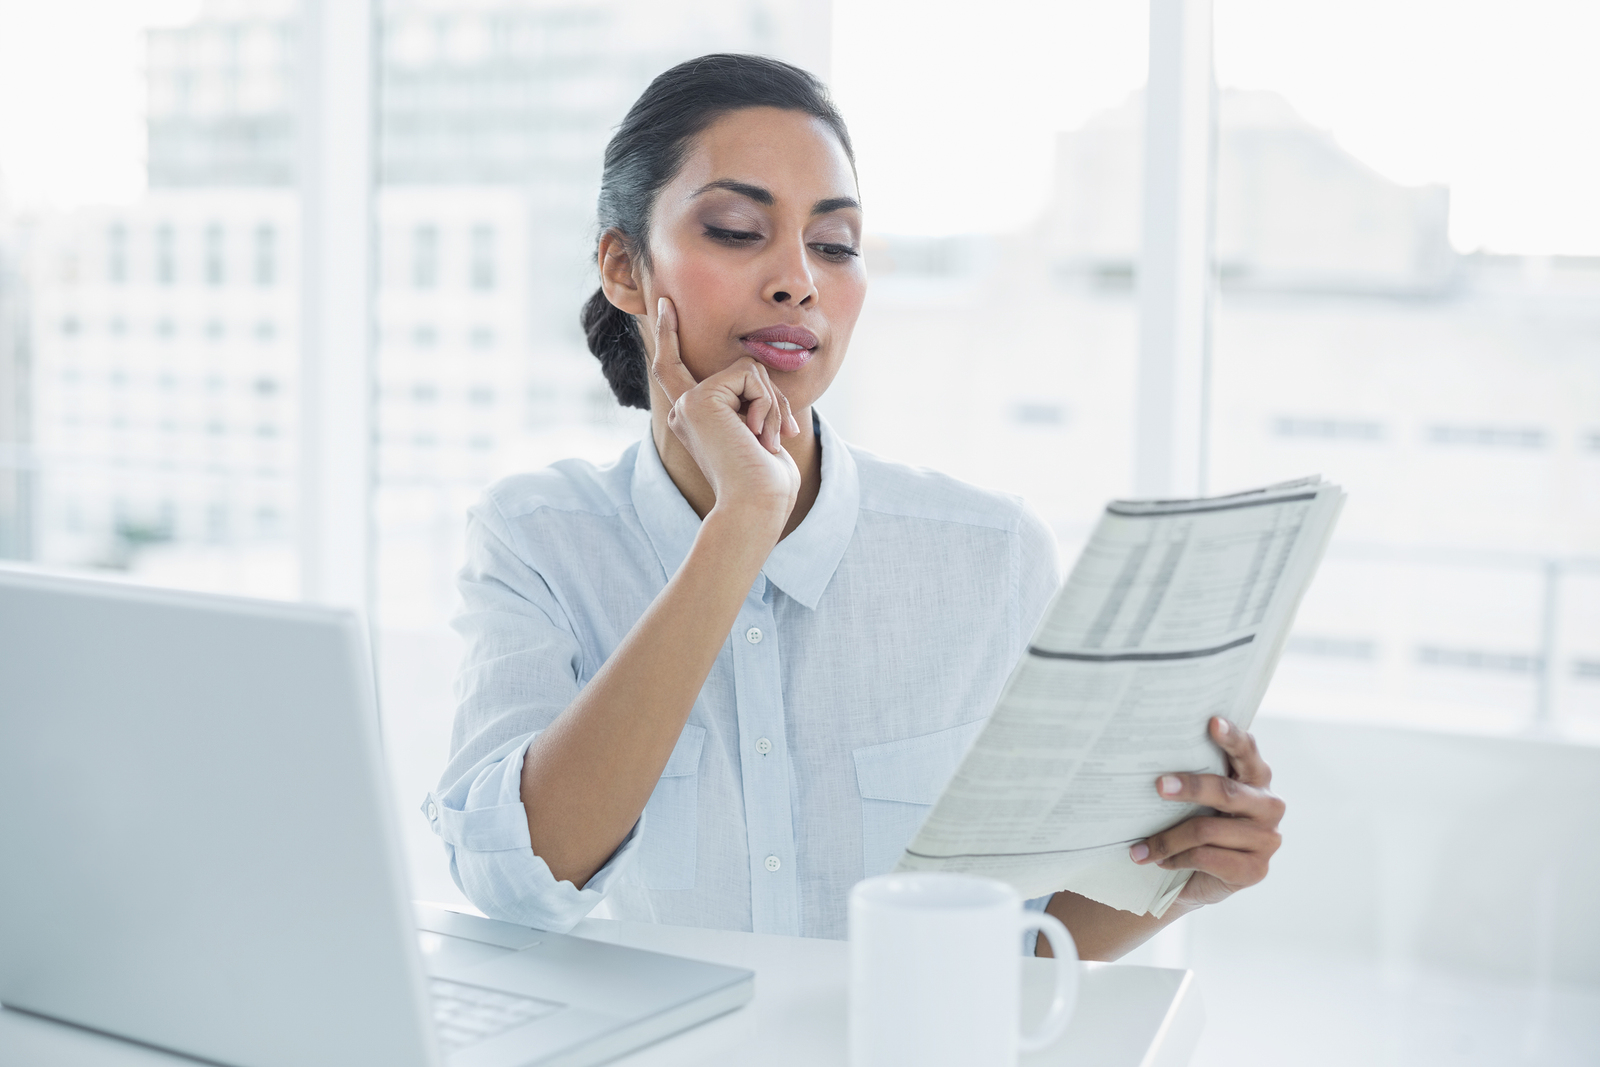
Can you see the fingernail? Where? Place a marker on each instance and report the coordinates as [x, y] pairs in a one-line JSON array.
[[1139, 852], [1224, 727], [1169, 785]]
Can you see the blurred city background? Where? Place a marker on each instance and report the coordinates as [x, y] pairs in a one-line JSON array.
[[1407, 256]]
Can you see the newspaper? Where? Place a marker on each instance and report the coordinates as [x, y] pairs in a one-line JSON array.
[[1176, 611]]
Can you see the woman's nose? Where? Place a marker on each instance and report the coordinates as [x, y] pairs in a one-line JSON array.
[[791, 281]]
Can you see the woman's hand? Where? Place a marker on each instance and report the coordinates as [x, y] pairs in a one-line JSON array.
[[1229, 850], [732, 424]]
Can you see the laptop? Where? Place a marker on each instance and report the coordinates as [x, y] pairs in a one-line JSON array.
[[199, 854]]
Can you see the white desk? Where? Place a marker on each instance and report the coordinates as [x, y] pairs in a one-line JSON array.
[[1126, 1017]]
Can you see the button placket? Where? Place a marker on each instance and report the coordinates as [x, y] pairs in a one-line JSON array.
[[774, 899]]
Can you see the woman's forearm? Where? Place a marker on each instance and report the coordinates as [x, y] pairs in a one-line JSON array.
[[1102, 932], [588, 776]]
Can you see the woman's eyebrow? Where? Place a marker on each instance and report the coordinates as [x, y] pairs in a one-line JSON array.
[[765, 198], [837, 203], [754, 192]]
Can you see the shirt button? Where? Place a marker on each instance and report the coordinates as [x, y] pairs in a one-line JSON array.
[[433, 812], [773, 863], [753, 635], [763, 746]]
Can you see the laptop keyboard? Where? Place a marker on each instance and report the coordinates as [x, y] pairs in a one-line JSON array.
[[466, 1014]]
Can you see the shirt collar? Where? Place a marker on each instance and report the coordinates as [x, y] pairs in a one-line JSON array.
[[803, 563]]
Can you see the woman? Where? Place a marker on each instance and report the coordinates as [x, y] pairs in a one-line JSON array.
[[719, 681]]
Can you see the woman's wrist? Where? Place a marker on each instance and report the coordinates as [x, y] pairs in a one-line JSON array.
[[755, 522]]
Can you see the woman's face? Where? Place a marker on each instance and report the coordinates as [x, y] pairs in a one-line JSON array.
[[757, 242]]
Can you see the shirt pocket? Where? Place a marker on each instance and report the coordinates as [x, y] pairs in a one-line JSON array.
[[671, 832], [899, 782]]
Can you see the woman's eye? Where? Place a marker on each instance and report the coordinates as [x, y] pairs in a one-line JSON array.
[[732, 237], [838, 252]]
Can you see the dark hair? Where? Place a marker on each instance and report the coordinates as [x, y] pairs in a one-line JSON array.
[[646, 153]]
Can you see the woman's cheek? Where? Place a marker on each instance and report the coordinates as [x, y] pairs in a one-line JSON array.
[[704, 295]]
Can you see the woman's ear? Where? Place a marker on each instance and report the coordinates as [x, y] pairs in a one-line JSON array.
[[620, 277]]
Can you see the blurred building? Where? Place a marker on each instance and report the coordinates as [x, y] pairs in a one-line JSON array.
[[1456, 396], [165, 344], [1294, 211], [166, 332]]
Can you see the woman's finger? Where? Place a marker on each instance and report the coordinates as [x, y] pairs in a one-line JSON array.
[[1237, 869], [759, 399], [1241, 835], [667, 368], [1243, 755], [762, 404], [1224, 794], [772, 430], [791, 428], [757, 404]]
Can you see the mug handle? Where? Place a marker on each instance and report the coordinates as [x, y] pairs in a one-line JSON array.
[[1055, 1020]]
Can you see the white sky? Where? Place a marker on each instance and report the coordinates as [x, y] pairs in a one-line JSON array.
[[953, 104], [72, 98]]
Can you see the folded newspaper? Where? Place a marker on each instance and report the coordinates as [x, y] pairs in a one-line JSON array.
[[1176, 611]]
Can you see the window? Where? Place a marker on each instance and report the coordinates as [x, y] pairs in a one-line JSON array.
[[117, 254], [1413, 316], [1392, 309], [1488, 436], [166, 255], [1329, 429], [483, 265], [266, 255], [425, 257], [214, 266]]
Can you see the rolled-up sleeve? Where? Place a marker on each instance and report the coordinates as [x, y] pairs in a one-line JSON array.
[[484, 827], [521, 669]]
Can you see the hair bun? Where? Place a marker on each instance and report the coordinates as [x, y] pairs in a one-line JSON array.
[[614, 339]]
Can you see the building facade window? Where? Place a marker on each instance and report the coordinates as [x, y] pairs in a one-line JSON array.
[[166, 254], [266, 255], [483, 272], [1489, 436], [117, 254], [425, 257], [214, 263]]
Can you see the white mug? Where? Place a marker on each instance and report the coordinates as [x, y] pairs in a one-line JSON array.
[[936, 976]]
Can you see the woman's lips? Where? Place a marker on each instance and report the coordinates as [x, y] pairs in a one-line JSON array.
[[781, 348]]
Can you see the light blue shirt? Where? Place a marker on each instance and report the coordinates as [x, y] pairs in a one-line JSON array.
[[865, 659]]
